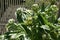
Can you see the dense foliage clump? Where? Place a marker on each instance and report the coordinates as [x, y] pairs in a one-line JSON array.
[[37, 23]]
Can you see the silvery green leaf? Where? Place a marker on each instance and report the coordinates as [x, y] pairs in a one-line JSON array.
[[46, 27]]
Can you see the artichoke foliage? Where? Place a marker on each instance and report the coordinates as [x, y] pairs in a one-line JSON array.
[[37, 23]]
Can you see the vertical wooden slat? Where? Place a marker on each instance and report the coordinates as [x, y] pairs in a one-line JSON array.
[[22, 4], [1, 4], [19, 2], [9, 2], [2, 7], [5, 3], [12, 2], [15, 2]]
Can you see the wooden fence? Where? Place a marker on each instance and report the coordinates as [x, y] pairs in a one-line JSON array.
[[6, 3]]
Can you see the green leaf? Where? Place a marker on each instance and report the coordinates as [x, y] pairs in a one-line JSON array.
[[45, 27]]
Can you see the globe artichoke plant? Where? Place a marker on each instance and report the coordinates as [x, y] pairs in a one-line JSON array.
[[37, 23]]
